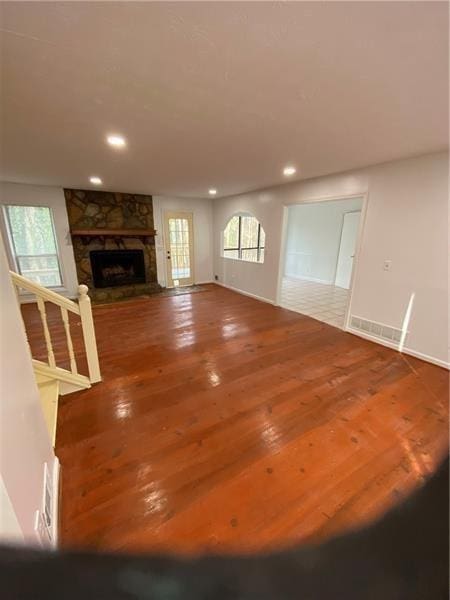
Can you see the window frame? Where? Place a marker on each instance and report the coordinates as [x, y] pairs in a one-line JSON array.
[[239, 247], [11, 246]]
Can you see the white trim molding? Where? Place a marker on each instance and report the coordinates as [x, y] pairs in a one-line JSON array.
[[395, 346], [312, 279], [370, 338], [238, 291]]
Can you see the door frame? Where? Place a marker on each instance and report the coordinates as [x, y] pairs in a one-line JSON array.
[[165, 217], [347, 212], [362, 224]]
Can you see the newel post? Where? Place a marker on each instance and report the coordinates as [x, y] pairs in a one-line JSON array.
[[87, 324]]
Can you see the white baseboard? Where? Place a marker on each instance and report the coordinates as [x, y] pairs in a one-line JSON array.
[[371, 338], [55, 516], [312, 279], [394, 346], [205, 282], [244, 293]]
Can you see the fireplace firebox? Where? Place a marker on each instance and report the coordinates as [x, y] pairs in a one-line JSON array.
[[112, 268]]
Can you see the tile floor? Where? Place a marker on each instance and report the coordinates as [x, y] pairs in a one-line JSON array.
[[326, 303]]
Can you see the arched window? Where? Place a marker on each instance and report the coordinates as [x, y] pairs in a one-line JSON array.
[[244, 239]]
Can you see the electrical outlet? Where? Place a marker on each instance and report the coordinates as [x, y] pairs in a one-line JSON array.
[[387, 265], [216, 277]]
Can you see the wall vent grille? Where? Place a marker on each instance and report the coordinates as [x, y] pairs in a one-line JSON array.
[[48, 500], [43, 523], [384, 332]]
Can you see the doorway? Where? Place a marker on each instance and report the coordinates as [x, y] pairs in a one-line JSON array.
[[179, 248], [320, 248]]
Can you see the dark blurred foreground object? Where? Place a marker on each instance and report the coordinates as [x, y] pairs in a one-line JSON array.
[[402, 556]]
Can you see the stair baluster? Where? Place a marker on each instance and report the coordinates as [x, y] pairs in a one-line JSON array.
[[69, 380], [48, 339], [65, 319]]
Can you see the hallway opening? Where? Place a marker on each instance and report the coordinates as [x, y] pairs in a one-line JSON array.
[[320, 253]]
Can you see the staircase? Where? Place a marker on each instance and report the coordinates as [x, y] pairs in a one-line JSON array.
[[53, 380]]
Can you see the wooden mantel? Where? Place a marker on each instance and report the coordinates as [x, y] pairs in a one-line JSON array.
[[114, 232], [86, 234]]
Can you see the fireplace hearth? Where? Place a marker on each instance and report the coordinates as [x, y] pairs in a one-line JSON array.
[[112, 268]]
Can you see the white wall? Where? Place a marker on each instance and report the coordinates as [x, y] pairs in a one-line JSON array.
[[203, 250], [37, 195], [24, 440], [406, 222], [10, 531], [313, 238]]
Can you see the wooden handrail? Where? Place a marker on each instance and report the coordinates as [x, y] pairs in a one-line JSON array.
[[61, 374], [44, 293], [81, 308]]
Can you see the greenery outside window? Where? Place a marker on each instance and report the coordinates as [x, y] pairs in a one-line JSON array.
[[244, 239], [33, 243]]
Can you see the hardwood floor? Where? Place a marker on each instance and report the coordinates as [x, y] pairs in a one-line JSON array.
[[226, 424]]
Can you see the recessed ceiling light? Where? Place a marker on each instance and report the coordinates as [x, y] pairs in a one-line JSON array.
[[116, 140], [213, 192], [95, 180], [288, 171]]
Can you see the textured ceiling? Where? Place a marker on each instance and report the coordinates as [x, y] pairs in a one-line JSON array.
[[218, 94]]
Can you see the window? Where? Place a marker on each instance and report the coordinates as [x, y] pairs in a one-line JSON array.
[[244, 239], [33, 243]]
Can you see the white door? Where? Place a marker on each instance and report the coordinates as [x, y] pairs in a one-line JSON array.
[[178, 235], [347, 249]]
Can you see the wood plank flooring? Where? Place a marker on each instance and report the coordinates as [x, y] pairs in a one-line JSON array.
[[225, 424]]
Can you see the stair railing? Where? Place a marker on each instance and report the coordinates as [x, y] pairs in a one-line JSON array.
[[81, 308]]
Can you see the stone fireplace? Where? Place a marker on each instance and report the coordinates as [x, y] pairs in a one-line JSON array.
[[113, 240]]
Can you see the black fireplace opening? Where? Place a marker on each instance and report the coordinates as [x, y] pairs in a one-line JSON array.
[[111, 268]]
